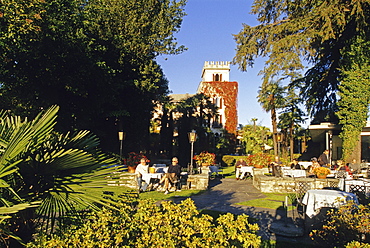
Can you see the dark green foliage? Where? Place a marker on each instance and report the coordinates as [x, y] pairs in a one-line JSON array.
[[230, 160], [292, 34], [354, 95], [94, 59], [46, 175]]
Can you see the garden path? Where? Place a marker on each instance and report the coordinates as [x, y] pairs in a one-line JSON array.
[[224, 193]]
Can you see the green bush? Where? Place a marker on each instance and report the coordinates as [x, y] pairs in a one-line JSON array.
[[150, 225], [230, 160], [350, 222]]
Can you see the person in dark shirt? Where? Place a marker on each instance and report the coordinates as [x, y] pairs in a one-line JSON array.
[[173, 174], [295, 165], [238, 165], [324, 159], [276, 167]]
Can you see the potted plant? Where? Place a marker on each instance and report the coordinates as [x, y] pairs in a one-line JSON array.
[[133, 160], [205, 158], [259, 160], [321, 172]]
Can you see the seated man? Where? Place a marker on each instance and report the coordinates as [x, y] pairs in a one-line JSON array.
[[295, 165], [238, 165], [141, 169], [355, 167], [276, 167], [172, 176]]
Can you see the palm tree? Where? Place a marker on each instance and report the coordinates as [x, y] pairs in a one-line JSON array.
[[59, 173], [254, 120], [196, 113], [291, 116], [271, 98]]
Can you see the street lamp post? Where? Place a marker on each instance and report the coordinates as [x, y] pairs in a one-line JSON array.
[[121, 137], [192, 137]]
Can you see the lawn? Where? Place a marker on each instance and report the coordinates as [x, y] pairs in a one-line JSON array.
[[271, 201], [228, 172]]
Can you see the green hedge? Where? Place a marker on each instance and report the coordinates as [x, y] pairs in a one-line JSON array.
[[230, 160]]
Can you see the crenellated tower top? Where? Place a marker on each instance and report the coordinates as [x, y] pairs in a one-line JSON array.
[[216, 71]]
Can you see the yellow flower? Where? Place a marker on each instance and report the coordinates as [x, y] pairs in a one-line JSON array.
[[321, 171]]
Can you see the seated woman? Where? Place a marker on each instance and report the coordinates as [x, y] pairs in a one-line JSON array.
[[342, 170], [172, 176], [315, 164]]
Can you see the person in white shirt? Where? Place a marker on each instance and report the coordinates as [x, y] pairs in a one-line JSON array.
[[141, 169]]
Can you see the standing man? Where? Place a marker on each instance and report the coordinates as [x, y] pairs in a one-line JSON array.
[[324, 159], [141, 169]]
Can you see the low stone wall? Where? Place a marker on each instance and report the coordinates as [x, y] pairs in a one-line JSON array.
[[196, 182], [271, 184], [123, 179]]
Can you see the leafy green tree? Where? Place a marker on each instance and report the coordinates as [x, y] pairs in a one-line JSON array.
[[271, 98], [254, 137], [291, 32], [95, 59], [62, 174], [354, 96], [318, 33], [196, 113], [290, 118]]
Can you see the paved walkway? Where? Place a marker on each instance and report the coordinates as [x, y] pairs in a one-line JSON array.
[[223, 194]]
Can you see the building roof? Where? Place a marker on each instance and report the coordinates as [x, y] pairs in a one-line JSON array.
[[179, 97]]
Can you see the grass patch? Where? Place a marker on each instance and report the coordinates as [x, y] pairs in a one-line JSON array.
[[271, 201], [228, 172]]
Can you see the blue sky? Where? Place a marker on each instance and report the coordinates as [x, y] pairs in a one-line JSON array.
[[207, 33]]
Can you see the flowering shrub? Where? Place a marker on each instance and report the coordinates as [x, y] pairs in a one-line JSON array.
[[133, 159], [147, 225], [205, 158], [321, 171], [259, 159], [350, 222]]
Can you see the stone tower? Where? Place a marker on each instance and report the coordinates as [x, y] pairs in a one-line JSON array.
[[223, 93]]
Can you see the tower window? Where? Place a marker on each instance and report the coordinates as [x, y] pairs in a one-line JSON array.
[[217, 77]]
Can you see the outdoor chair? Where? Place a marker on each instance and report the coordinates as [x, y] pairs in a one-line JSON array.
[[341, 174], [215, 170], [300, 189], [360, 192], [332, 184]]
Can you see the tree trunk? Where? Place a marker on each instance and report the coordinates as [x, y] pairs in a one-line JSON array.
[[291, 139], [274, 130]]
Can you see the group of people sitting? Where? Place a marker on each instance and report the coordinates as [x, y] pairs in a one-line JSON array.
[[322, 161], [171, 178]]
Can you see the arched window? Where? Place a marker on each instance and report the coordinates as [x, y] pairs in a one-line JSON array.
[[217, 77]]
